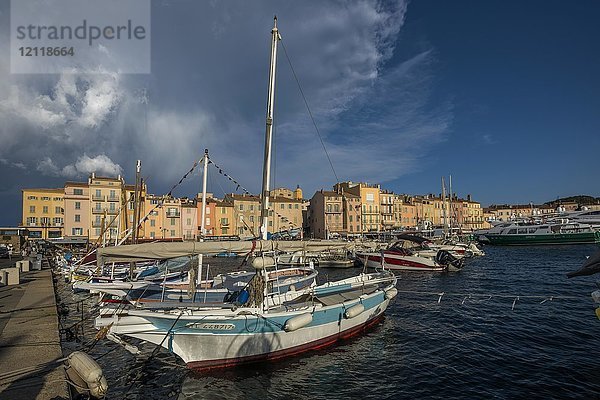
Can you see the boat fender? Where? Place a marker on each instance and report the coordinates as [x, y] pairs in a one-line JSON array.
[[243, 297], [263, 262], [391, 293], [297, 322], [86, 375], [354, 311]]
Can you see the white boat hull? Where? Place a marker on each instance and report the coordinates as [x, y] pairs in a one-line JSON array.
[[217, 338], [401, 262]]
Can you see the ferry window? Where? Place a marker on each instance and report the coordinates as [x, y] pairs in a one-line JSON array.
[[512, 231], [522, 230], [532, 230]]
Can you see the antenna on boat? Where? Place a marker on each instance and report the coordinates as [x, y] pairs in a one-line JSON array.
[[264, 212]]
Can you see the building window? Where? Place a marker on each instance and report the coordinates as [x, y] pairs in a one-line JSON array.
[[270, 223], [98, 193], [207, 210], [45, 198], [252, 218], [251, 207], [289, 206], [31, 197], [172, 232], [172, 222], [77, 218], [78, 192], [152, 234], [152, 222], [207, 221], [113, 194], [282, 206], [296, 206], [224, 221], [241, 207], [189, 221], [97, 231], [58, 210], [31, 209], [31, 221], [78, 205], [223, 210]]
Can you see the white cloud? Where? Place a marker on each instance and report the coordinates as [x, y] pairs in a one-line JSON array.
[[85, 165]]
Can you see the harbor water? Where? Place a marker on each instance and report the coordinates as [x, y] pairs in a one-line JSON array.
[[486, 337]]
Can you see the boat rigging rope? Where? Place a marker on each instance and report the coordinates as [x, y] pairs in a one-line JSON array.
[[485, 297], [309, 111]]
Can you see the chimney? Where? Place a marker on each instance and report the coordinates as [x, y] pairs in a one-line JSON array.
[[468, 197]]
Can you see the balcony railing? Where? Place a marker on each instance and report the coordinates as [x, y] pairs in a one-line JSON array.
[[98, 198], [173, 214], [103, 209], [113, 198]]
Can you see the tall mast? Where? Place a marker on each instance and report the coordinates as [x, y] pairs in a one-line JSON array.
[[450, 201], [202, 214], [444, 215], [136, 195], [264, 212]]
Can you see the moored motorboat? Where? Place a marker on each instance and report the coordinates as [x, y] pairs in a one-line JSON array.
[[408, 254], [523, 233]]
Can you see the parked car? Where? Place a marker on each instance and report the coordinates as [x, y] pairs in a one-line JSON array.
[[4, 252]]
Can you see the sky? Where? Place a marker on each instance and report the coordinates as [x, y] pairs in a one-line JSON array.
[[502, 95]]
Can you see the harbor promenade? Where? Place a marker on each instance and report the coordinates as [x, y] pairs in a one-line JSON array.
[[30, 351]]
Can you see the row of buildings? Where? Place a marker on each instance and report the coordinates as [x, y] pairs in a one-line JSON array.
[[352, 209], [106, 209]]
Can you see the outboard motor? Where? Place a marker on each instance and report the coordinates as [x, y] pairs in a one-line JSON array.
[[444, 257]]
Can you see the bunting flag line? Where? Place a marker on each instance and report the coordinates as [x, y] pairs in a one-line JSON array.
[[196, 163], [231, 179]]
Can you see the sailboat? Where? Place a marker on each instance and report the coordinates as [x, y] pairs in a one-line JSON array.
[[260, 323]]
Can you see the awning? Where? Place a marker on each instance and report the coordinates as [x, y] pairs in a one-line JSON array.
[[163, 251]]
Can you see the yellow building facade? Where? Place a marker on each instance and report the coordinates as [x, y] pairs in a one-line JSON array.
[[43, 212]]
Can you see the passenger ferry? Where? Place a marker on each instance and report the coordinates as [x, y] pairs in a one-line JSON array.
[[526, 233]]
